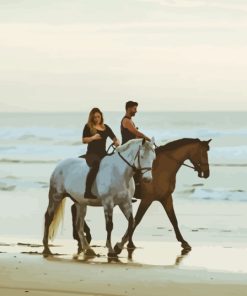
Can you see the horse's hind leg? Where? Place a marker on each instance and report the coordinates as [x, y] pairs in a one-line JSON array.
[[86, 227], [87, 231], [78, 223], [168, 206], [108, 209], [127, 211], [73, 212], [54, 201]]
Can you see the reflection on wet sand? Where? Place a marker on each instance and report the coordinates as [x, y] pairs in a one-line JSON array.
[[211, 257], [130, 256]]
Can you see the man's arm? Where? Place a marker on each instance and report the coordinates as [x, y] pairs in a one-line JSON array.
[[128, 124]]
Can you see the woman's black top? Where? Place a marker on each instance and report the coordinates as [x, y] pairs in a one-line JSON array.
[[98, 147], [126, 134]]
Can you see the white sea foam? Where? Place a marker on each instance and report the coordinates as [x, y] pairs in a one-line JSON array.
[[219, 194]]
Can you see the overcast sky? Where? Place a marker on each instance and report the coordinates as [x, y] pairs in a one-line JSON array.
[[72, 55]]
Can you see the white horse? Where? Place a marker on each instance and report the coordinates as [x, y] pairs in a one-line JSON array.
[[114, 185]]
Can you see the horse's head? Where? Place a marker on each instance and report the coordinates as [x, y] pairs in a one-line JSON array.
[[139, 154], [144, 159], [199, 158]]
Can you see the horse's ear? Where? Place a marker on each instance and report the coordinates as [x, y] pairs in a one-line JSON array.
[[152, 141], [143, 141], [209, 141]]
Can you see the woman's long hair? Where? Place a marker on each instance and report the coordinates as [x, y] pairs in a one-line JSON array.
[[90, 121]]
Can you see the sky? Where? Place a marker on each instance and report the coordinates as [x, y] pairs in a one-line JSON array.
[[169, 55]]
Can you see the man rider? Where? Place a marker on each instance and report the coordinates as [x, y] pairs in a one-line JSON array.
[[129, 131]]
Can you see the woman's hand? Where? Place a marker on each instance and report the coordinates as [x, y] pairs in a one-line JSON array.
[[96, 137]]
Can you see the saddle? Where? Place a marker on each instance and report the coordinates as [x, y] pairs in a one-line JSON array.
[[137, 179]]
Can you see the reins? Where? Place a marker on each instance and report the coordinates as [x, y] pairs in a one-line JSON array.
[[135, 169], [111, 146], [181, 163]]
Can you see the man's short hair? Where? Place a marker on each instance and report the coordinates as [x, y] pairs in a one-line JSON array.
[[130, 104]]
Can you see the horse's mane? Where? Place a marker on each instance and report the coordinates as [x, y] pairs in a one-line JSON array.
[[125, 146], [176, 144]]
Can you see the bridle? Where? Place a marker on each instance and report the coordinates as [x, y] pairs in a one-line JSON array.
[[139, 169], [182, 163]]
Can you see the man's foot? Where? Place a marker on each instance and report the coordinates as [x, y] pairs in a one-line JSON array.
[[90, 195], [137, 193]]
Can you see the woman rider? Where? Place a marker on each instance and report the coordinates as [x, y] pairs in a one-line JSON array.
[[95, 134]]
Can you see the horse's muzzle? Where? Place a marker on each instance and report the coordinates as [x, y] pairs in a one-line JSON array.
[[203, 174], [147, 179]]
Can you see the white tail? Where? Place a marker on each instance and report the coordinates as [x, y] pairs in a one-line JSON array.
[[58, 217]]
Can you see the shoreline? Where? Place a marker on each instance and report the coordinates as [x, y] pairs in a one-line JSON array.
[[212, 257]]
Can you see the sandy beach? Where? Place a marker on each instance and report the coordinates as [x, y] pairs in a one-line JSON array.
[[23, 274], [154, 268]]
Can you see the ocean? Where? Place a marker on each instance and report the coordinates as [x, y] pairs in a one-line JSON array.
[[49, 137]]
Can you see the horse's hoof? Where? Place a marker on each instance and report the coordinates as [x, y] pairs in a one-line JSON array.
[[186, 246], [185, 252], [46, 252], [90, 253], [80, 250], [88, 238], [112, 255], [117, 249], [111, 259], [130, 253], [131, 246]]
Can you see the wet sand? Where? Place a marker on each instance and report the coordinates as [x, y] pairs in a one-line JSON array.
[[152, 269], [35, 275]]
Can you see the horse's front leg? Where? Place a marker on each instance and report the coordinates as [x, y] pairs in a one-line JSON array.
[[126, 208], [144, 205], [87, 231], [168, 206], [108, 209]]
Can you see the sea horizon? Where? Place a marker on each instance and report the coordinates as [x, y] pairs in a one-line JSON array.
[[123, 111]]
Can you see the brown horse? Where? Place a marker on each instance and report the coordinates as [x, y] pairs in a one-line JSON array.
[[169, 159]]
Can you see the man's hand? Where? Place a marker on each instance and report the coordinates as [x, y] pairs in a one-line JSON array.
[[116, 143]]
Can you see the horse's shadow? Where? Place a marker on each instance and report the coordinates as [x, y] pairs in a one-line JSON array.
[[178, 260]]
